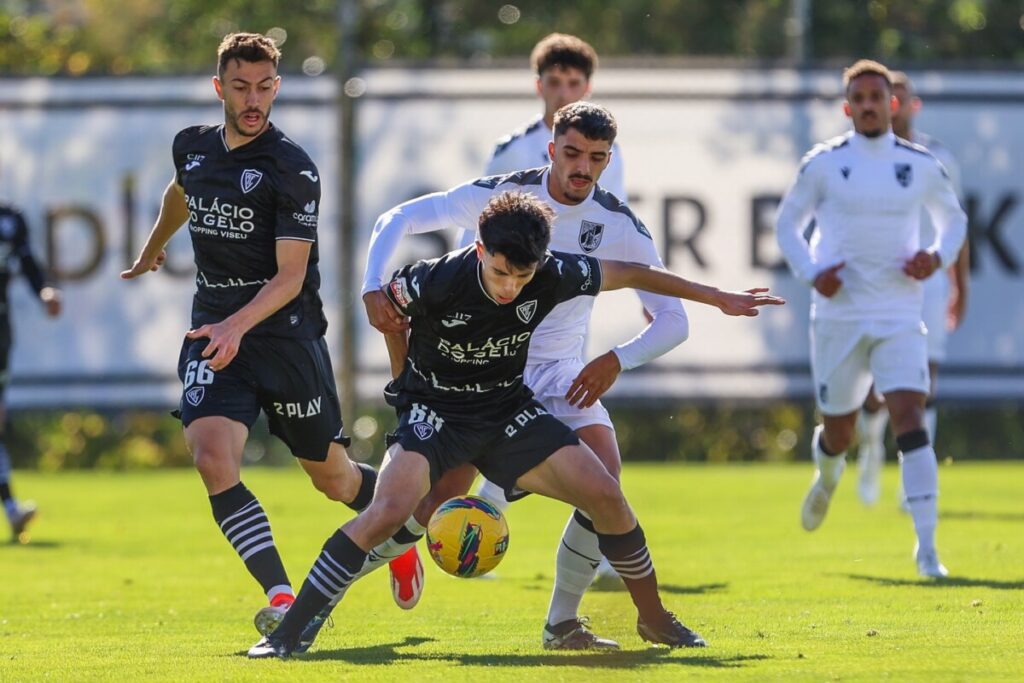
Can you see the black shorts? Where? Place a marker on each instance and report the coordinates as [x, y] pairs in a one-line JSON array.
[[502, 451], [291, 380]]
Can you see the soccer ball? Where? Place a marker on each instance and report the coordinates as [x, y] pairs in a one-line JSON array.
[[467, 536]]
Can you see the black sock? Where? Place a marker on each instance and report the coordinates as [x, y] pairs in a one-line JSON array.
[[5, 491], [334, 569], [628, 555], [244, 523], [366, 486]]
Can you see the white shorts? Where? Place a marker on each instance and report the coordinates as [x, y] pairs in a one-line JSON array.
[[550, 382], [936, 303], [847, 356]]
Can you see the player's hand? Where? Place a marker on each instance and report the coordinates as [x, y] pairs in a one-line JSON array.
[[747, 302], [225, 338], [828, 281], [382, 313], [51, 298], [143, 265], [594, 379], [922, 264]]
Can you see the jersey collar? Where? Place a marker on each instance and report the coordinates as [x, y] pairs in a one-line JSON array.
[[271, 134]]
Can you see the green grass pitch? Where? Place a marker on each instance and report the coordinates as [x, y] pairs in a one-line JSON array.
[[127, 578]]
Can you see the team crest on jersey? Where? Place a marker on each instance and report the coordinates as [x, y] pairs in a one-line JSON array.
[[525, 311], [590, 235], [422, 430], [195, 395], [904, 174], [250, 179]]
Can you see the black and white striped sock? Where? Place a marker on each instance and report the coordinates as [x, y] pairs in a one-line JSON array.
[[630, 558], [332, 572], [244, 523]]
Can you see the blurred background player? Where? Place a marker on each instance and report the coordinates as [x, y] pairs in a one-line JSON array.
[[866, 189], [945, 303], [251, 198], [564, 65], [14, 247]]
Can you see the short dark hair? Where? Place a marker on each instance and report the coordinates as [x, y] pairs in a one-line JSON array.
[[563, 50], [865, 67], [592, 120], [516, 225], [902, 79], [246, 47]]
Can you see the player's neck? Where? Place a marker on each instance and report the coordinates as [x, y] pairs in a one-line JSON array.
[[233, 139], [549, 120], [903, 132]]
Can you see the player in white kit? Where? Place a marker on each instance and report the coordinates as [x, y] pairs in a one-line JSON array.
[[564, 65], [588, 220], [866, 190], [945, 302]]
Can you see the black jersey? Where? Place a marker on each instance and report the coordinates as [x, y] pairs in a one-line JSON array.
[[240, 202], [466, 351], [14, 247]]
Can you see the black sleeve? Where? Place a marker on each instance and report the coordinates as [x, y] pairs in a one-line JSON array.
[[29, 266], [579, 275], [298, 202], [411, 288], [180, 150]]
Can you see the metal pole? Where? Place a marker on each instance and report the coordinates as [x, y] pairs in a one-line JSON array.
[[798, 31], [346, 68]]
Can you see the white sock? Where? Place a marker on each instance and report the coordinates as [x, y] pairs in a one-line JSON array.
[[830, 466], [382, 554], [921, 486], [931, 419], [576, 564], [493, 493], [871, 427]]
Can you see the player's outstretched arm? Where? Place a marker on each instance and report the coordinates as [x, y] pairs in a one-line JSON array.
[[226, 336], [620, 274], [173, 213]]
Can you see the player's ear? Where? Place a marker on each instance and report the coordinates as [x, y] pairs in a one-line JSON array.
[[846, 110], [915, 104], [894, 104], [551, 150], [277, 84], [219, 87], [479, 250], [538, 87]]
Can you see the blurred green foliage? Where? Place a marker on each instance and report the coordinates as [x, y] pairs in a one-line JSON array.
[[80, 37], [722, 432]]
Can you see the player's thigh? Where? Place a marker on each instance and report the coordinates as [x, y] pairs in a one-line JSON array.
[[899, 360], [299, 396], [216, 444], [839, 366], [454, 482], [334, 474], [601, 439]]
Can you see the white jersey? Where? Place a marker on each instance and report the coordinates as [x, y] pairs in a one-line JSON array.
[[866, 195], [527, 147], [600, 226]]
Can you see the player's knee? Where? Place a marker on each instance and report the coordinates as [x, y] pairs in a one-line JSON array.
[[334, 487], [605, 499], [387, 514], [210, 463]]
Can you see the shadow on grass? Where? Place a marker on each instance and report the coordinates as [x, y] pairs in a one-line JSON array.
[[981, 516], [34, 545], [388, 653], [700, 589], [949, 581]]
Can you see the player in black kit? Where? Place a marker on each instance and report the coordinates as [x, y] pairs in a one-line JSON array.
[[14, 245], [251, 198], [461, 398]]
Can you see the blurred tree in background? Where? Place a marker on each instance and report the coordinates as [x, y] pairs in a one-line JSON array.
[[90, 37]]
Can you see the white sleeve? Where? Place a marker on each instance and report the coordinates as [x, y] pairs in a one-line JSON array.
[[670, 326], [457, 208], [947, 216], [795, 211]]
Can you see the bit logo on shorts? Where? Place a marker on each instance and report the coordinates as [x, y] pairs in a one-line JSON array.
[[195, 395], [299, 409], [425, 422], [250, 179], [590, 235], [525, 310]]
